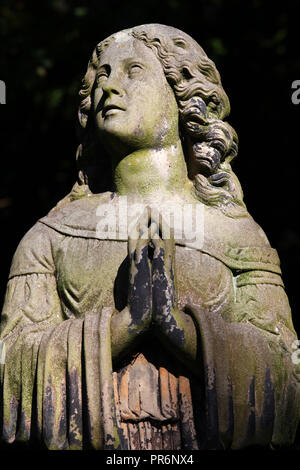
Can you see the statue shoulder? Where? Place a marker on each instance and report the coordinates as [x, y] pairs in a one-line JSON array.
[[34, 252], [78, 217], [236, 232], [239, 242]]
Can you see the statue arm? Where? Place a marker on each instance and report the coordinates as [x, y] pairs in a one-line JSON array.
[[32, 308], [31, 296], [262, 301], [46, 357]]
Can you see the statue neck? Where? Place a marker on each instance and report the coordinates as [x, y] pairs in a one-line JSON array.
[[150, 175]]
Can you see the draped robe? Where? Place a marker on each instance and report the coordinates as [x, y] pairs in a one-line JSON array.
[[58, 382]]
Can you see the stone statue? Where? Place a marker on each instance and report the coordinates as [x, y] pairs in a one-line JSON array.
[[121, 331]]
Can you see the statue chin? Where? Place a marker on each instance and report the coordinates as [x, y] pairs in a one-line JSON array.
[[125, 338]]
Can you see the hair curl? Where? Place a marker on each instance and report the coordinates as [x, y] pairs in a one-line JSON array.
[[209, 142]]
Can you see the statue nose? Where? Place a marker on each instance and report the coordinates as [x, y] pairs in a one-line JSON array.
[[112, 87]]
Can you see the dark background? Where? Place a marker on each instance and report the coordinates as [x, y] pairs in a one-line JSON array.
[[45, 47]]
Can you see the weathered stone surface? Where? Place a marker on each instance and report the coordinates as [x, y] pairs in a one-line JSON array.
[[115, 335]]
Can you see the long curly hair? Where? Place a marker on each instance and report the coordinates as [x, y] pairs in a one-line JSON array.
[[209, 142]]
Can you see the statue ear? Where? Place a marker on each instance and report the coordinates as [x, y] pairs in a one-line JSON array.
[[83, 113]]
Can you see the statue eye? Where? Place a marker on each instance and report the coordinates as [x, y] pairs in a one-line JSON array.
[[134, 69], [102, 74], [180, 43]]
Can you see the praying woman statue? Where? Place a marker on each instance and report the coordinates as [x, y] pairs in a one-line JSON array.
[[147, 309]]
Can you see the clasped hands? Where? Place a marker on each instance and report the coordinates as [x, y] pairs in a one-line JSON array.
[[151, 296], [152, 299]]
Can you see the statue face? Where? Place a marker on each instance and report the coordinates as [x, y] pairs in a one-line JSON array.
[[134, 106]]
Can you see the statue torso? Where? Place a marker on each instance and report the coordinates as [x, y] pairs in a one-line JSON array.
[[92, 274], [155, 407]]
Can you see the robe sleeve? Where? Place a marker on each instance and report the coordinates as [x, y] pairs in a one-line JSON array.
[[252, 390], [54, 388], [31, 308]]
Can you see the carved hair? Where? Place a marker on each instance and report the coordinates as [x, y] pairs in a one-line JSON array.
[[209, 142]]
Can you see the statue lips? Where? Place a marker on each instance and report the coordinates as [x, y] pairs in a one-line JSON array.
[[111, 109]]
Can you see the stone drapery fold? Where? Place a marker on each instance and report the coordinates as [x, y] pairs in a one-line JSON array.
[[56, 389]]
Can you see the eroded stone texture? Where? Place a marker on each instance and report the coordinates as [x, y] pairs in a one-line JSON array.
[[117, 338], [154, 407]]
